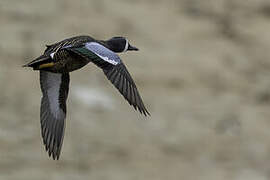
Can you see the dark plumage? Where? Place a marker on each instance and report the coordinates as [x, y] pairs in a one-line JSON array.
[[71, 54]]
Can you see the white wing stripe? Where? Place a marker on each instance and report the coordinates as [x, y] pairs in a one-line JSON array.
[[107, 59], [103, 52]]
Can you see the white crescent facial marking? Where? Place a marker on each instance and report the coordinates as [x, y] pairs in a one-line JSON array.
[[126, 47]]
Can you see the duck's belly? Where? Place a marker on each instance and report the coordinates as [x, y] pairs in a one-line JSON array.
[[74, 65], [68, 64]]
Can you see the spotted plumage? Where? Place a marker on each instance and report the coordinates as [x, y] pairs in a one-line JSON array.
[[63, 57]]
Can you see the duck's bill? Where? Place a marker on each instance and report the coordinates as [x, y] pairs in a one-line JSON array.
[[132, 48]]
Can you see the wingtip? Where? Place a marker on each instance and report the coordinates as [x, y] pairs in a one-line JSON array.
[[144, 111], [53, 155], [147, 113]]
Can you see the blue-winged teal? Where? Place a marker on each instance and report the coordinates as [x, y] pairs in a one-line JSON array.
[[71, 54]]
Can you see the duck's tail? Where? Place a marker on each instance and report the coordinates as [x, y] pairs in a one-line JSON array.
[[44, 61]]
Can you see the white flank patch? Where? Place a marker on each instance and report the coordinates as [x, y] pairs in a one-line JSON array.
[[52, 54]]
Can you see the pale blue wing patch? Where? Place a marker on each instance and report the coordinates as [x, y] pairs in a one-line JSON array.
[[103, 52]]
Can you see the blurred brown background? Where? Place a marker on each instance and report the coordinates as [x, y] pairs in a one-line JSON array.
[[203, 71]]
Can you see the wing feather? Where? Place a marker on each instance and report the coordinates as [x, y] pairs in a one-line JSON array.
[[115, 71], [53, 110], [126, 86]]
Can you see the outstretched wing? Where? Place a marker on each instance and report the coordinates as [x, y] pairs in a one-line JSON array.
[[115, 71], [123, 81], [54, 88]]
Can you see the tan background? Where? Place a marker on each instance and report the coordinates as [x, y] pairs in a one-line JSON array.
[[203, 70]]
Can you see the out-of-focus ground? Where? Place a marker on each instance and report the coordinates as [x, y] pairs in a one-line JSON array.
[[203, 70]]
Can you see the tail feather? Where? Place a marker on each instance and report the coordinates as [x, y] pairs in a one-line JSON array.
[[43, 59]]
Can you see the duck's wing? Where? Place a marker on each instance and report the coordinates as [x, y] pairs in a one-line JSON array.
[[54, 88], [122, 80], [115, 71]]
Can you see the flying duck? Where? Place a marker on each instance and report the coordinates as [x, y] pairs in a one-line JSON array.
[[66, 56]]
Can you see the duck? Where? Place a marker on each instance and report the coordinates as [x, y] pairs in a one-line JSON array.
[[63, 57]]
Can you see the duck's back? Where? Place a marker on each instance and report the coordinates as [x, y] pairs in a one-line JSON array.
[[74, 41], [65, 61]]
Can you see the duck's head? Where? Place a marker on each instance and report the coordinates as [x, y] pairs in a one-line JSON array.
[[120, 44]]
